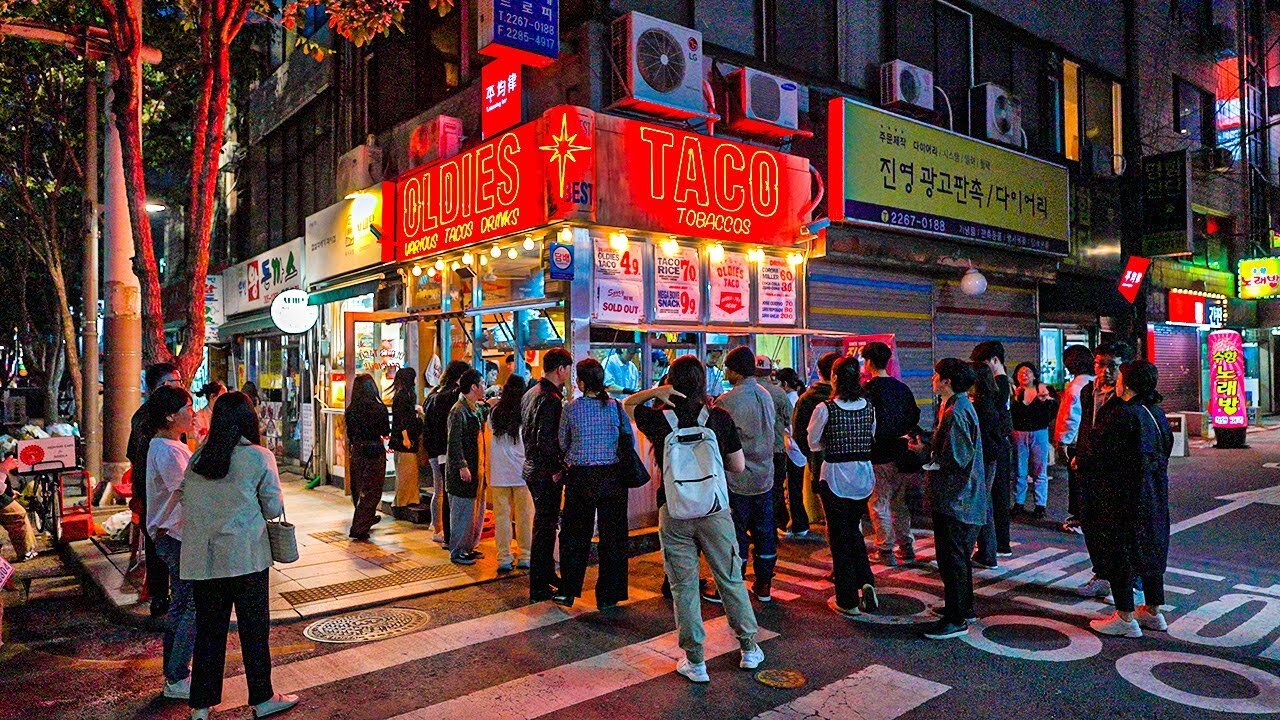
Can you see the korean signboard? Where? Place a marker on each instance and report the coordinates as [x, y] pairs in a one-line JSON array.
[[1188, 307], [525, 31], [730, 283], [776, 291], [854, 344], [259, 280], [213, 308], [893, 172], [1259, 278], [500, 93], [677, 285], [619, 283], [1131, 279], [1166, 204], [343, 237], [1227, 405]]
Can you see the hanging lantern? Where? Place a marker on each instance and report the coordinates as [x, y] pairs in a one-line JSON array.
[[973, 282]]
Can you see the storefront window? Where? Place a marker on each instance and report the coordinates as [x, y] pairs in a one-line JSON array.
[[619, 352], [666, 348], [379, 351], [718, 346], [778, 348]]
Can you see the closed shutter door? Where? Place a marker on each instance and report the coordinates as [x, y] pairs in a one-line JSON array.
[[849, 300], [1007, 314], [1177, 351]]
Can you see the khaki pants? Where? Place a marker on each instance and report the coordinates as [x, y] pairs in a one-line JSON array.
[[512, 504], [715, 536], [890, 518], [812, 499], [407, 492], [14, 519]]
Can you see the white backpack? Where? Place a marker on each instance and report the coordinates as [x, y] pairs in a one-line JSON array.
[[692, 470]]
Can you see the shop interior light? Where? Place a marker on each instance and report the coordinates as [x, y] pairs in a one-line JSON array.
[[565, 235], [755, 255], [618, 241], [439, 265], [671, 247], [795, 259], [417, 271], [455, 266], [528, 242], [495, 251], [513, 253], [716, 253], [468, 258]]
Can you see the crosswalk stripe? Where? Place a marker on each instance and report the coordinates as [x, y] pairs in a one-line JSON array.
[[1008, 565], [1044, 574], [783, 595], [552, 690], [873, 693], [802, 569], [801, 582], [383, 654]]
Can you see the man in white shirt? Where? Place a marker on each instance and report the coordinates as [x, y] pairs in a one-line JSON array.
[[621, 374], [1078, 360]]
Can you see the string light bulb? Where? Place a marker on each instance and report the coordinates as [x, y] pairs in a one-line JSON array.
[[484, 260], [671, 247], [716, 253], [795, 259], [439, 265], [755, 255], [455, 266], [495, 251], [528, 242], [417, 271], [618, 241], [468, 258], [565, 235], [431, 272], [513, 254]]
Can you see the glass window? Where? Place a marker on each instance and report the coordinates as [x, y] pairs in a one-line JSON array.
[[804, 36], [1071, 110], [731, 24], [1099, 120], [1193, 113], [718, 346], [505, 279], [666, 348]]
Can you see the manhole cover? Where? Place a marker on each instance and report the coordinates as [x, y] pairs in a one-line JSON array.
[[788, 679], [366, 625]]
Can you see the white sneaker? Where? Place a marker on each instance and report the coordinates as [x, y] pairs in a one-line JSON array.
[[1113, 624], [180, 690], [201, 714], [695, 672], [1095, 588], [1150, 620], [751, 659], [277, 704]]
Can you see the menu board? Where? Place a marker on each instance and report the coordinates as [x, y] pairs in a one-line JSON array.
[[619, 284], [777, 288], [677, 286], [730, 289]]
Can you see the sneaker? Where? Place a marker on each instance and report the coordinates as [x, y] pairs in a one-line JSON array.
[[1150, 620], [505, 567], [763, 590], [885, 558], [522, 564], [843, 612], [475, 554], [1038, 513], [1017, 510], [797, 534], [696, 672], [275, 705], [201, 714], [868, 601], [438, 539], [562, 600], [1072, 525], [1095, 588], [1113, 624], [751, 659], [461, 560], [1004, 553], [941, 610], [943, 630], [180, 690], [906, 557], [979, 563], [712, 595]]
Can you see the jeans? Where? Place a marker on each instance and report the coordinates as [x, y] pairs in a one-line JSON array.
[[461, 519], [590, 493], [512, 505], [547, 497], [180, 630], [367, 477], [890, 517], [1033, 460], [849, 561], [753, 523], [953, 541], [994, 536], [214, 600], [714, 536], [788, 495], [439, 500]]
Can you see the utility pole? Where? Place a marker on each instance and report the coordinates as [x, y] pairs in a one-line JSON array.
[[91, 406]]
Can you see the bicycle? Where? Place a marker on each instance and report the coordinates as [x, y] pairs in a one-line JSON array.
[[44, 504]]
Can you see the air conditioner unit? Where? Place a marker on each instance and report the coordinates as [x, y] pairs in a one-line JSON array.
[[762, 104], [904, 86], [437, 139], [359, 168], [659, 67], [995, 115]]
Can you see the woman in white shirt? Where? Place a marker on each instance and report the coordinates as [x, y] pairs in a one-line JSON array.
[[232, 488], [169, 413], [511, 497], [842, 430]]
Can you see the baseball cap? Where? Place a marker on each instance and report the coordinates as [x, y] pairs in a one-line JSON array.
[[764, 366]]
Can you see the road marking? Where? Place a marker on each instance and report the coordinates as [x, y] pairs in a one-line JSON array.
[[880, 617], [384, 654], [1178, 590], [1273, 590], [1087, 609], [1045, 574], [803, 569], [873, 693], [1137, 669], [1081, 644], [1194, 574], [801, 582], [1011, 564], [783, 595], [1266, 496], [564, 686], [1249, 631]]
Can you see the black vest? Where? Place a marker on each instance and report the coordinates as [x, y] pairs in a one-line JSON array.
[[848, 434]]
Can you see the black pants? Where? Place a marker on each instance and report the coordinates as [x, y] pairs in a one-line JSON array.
[[368, 475], [953, 541], [1122, 582], [593, 493], [547, 496], [788, 495], [214, 600], [1075, 485], [849, 560], [994, 536]]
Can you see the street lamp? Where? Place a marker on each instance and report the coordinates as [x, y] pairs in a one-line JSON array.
[[155, 207]]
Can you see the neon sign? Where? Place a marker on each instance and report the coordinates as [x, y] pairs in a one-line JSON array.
[[1227, 405], [1260, 278]]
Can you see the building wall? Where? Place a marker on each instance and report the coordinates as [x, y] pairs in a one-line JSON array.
[[1092, 30]]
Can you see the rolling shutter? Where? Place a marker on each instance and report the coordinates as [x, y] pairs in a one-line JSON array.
[[1007, 314], [1177, 357]]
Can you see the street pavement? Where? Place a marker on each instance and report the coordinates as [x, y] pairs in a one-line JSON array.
[[486, 654]]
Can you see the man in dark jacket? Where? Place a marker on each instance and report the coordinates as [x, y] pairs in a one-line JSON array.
[[156, 376], [896, 415], [435, 433], [543, 466], [819, 393], [462, 470], [1094, 397]]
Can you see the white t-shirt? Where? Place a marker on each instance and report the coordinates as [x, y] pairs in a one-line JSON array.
[[853, 480], [166, 463], [506, 461]]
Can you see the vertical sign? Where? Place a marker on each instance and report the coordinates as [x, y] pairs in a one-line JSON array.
[[677, 287], [777, 288], [500, 97], [619, 284], [525, 31], [213, 311], [1131, 279], [1227, 405], [730, 289], [1166, 204]]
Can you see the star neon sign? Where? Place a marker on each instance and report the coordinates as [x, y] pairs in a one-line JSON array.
[[563, 149]]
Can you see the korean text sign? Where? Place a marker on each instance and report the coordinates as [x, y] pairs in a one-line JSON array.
[[1227, 404], [890, 171], [1131, 279], [1166, 204], [1259, 278], [526, 31]]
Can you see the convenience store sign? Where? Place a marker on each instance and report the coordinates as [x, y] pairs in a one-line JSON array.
[[893, 172]]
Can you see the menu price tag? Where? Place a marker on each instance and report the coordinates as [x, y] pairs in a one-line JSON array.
[[730, 289], [677, 286], [777, 301], [619, 284]]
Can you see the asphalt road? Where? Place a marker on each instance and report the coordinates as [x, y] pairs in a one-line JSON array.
[[485, 654]]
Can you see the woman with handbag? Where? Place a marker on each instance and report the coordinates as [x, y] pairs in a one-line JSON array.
[[366, 421], [406, 430], [230, 490], [593, 432]]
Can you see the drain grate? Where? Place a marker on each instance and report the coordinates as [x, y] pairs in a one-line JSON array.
[[366, 625], [351, 587]]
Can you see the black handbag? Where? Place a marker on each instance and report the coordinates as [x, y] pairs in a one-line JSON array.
[[633, 472]]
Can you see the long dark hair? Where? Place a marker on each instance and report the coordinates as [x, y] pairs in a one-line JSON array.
[[405, 386], [452, 374], [364, 392], [233, 419], [846, 376], [591, 374], [164, 401], [984, 384], [250, 389], [688, 376], [505, 418], [789, 379]]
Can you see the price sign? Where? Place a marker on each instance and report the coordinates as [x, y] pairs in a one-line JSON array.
[[619, 283], [677, 285], [730, 286], [777, 301]]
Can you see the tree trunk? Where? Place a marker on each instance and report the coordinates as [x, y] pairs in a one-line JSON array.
[[67, 324]]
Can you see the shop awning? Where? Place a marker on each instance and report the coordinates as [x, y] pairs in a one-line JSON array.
[[245, 324], [344, 292]]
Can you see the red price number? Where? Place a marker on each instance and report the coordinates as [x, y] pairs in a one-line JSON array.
[[688, 272], [628, 264], [687, 304]]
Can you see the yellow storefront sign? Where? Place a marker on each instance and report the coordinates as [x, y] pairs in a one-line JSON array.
[[891, 171], [1260, 278]]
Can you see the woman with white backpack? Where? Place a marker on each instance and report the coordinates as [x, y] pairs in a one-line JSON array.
[[695, 444]]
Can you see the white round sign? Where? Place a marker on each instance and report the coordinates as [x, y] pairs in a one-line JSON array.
[[291, 313]]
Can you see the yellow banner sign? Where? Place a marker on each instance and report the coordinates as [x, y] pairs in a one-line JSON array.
[[891, 171], [1260, 278]]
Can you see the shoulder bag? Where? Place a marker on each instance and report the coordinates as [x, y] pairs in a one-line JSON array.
[[634, 473], [283, 537]]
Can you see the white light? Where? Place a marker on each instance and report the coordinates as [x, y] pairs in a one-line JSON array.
[[439, 265], [468, 258], [417, 271], [155, 207], [431, 272], [565, 235], [670, 247], [513, 254], [973, 282], [716, 253], [795, 259], [484, 260], [528, 242], [618, 241], [455, 266], [495, 251]]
